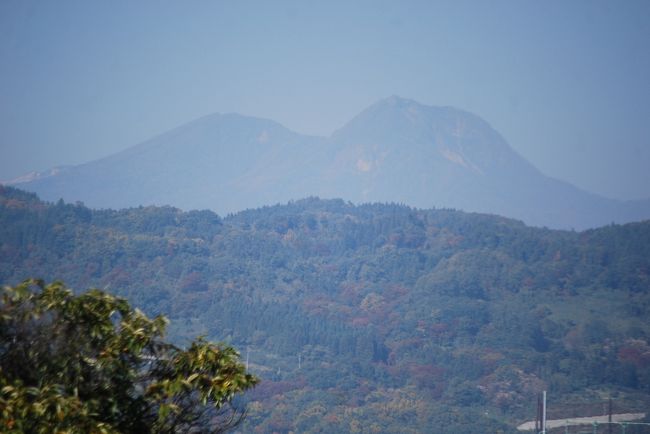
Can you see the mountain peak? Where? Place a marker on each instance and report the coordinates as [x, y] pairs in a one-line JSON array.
[[397, 101], [395, 105], [399, 120], [396, 150], [384, 120]]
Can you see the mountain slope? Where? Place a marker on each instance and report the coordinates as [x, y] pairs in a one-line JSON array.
[[403, 319], [401, 151], [397, 150], [198, 165]]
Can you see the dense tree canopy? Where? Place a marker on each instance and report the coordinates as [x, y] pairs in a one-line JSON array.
[[370, 318], [90, 363]]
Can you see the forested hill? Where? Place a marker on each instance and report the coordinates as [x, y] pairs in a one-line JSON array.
[[370, 318]]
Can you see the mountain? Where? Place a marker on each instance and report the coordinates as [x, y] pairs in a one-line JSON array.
[[372, 318], [198, 165], [397, 150]]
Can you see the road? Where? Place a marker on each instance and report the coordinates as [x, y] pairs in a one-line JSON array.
[[555, 423]]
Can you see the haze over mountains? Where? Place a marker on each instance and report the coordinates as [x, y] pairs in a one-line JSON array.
[[397, 150]]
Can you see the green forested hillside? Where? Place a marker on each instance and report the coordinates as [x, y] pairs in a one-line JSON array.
[[371, 318]]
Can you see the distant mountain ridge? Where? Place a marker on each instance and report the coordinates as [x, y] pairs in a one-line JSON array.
[[396, 150]]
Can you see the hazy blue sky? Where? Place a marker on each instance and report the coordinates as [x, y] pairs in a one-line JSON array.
[[566, 82]]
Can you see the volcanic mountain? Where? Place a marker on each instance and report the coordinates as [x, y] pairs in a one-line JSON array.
[[397, 150]]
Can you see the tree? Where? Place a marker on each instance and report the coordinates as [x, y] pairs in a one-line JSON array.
[[90, 363]]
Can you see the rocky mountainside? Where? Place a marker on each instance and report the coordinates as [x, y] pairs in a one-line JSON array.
[[397, 150]]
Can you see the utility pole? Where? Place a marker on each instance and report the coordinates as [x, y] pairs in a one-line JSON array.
[[299, 360], [538, 413], [247, 351], [544, 412], [609, 416]]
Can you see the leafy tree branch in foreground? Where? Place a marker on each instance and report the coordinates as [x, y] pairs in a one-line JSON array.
[[91, 363]]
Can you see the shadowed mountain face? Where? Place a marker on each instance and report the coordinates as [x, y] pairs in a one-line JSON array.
[[394, 151]]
